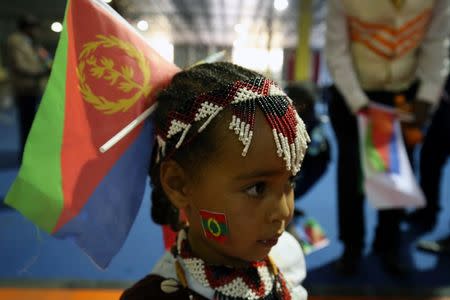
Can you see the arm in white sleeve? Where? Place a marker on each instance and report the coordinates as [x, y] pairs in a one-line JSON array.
[[433, 64], [288, 256], [24, 61], [337, 53]]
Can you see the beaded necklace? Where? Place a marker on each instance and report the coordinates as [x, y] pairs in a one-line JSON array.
[[261, 280]]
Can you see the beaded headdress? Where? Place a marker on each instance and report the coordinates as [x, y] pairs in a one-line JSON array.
[[241, 98]]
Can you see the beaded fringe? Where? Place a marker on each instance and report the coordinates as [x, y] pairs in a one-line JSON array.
[[288, 129]]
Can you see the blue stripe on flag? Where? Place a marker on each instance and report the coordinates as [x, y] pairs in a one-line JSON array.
[[102, 226], [394, 164]]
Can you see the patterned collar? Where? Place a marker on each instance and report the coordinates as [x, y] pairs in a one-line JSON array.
[[260, 280]]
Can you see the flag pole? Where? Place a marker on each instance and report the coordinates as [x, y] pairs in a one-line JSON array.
[[121, 134]]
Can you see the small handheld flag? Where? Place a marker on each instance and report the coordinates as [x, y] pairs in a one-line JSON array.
[[380, 141], [388, 178]]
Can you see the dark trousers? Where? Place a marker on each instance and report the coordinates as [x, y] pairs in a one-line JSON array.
[[433, 156], [26, 106], [350, 192]]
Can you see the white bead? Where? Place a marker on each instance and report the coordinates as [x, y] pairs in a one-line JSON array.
[[275, 91], [169, 286], [180, 141], [212, 116], [277, 142], [238, 124], [233, 122], [176, 126], [244, 94]]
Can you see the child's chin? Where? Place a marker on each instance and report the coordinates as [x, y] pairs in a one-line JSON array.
[[260, 255]]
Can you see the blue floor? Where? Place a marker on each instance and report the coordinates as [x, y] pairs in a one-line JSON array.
[[28, 254]]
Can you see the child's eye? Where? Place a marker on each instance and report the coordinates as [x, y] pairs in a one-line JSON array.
[[256, 190]]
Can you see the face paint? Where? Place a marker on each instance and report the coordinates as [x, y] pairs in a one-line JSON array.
[[215, 226]]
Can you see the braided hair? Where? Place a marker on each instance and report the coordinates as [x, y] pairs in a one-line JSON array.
[[183, 89]]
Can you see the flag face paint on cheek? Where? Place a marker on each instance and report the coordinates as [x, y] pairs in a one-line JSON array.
[[215, 226]]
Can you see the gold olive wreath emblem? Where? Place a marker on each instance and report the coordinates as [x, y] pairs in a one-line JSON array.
[[214, 227], [103, 68]]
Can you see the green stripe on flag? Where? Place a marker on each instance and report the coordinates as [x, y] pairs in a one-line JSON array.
[[224, 228], [373, 156], [37, 190], [215, 228]]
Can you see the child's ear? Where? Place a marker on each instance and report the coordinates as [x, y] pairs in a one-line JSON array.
[[174, 181]]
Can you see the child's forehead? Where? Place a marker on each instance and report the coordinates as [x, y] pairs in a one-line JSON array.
[[262, 147]]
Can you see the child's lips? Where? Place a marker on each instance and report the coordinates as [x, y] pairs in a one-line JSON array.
[[270, 242]]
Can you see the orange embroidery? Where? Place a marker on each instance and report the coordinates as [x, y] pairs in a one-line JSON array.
[[387, 41]]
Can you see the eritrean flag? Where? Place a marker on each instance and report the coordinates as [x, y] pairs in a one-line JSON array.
[[214, 225], [388, 178], [104, 76], [380, 142]]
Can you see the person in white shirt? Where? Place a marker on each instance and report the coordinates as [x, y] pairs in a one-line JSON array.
[[29, 68], [379, 51]]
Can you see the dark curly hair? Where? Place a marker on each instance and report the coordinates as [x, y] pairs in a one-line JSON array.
[[304, 96], [184, 87]]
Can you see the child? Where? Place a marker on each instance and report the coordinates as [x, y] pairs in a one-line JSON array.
[[229, 144]]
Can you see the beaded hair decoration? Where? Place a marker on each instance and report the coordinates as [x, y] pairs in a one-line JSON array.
[[242, 98]]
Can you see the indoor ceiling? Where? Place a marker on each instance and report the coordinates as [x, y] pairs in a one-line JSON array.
[[207, 22]]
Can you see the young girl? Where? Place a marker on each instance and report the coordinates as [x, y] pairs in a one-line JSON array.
[[229, 143]]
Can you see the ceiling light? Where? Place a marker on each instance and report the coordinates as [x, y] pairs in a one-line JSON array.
[[107, 1], [162, 45], [239, 28], [142, 25], [280, 5], [56, 27]]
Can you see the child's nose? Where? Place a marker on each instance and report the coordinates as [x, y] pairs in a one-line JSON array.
[[281, 208]]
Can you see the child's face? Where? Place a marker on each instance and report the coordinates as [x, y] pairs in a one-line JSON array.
[[254, 192]]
